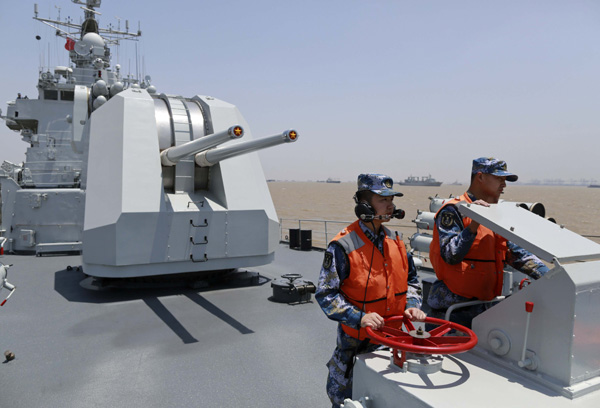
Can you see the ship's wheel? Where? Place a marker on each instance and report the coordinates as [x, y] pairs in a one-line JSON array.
[[418, 341]]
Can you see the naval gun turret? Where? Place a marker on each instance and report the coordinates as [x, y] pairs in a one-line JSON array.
[[167, 201]]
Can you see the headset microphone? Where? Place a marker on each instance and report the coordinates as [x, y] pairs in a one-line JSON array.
[[369, 217], [366, 212], [399, 213]]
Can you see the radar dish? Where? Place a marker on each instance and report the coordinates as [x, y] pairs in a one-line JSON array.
[[148, 78], [82, 48]]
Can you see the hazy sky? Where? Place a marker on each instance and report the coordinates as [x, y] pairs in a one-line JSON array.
[[392, 86]]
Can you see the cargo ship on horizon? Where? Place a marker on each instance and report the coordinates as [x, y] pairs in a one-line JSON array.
[[420, 181]]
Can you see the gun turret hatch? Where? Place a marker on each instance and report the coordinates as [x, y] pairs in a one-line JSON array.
[[543, 238]]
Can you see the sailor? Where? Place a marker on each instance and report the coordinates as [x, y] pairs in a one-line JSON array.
[[366, 276], [468, 258]]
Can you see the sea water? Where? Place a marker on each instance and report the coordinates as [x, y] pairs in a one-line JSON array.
[[575, 207]]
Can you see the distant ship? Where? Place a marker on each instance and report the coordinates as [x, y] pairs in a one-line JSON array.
[[423, 181], [330, 180], [594, 186]]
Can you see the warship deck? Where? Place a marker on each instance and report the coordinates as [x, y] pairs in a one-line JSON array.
[[220, 347]]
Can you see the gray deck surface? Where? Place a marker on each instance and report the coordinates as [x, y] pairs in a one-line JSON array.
[[223, 347]]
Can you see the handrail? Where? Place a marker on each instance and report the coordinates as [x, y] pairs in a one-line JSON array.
[[322, 231], [469, 303]]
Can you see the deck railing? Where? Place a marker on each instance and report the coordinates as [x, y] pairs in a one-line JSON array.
[[323, 231]]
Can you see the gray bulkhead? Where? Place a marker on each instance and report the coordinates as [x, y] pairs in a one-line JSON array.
[[42, 202], [562, 340]]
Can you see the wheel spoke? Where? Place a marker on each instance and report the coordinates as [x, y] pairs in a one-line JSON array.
[[429, 343], [448, 340], [409, 325], [441, 330], [402, 340]]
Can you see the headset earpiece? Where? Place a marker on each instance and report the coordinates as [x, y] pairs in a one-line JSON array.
[[363, 208]]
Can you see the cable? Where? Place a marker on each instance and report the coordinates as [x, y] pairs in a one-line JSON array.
[[362, 310], [375, 244]]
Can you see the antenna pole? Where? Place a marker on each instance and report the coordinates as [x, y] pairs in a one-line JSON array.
[[137, 69]]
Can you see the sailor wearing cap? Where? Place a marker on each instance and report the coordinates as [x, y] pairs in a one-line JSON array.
[[469, 258], [366, 276]]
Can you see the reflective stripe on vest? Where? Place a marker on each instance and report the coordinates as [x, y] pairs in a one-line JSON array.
[[387, 284], [479, 274]]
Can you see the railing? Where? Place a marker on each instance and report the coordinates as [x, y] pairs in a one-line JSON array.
[[324, 230]]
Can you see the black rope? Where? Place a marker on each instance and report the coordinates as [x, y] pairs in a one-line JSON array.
[[365, 342]]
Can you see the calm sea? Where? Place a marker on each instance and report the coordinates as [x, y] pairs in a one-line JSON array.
[[577, 208]]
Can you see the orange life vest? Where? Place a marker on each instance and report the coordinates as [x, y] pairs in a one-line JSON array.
[[388, 283], [479, 274]]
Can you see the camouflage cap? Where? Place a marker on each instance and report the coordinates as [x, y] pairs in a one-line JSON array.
[[377, 183], [492, 166]]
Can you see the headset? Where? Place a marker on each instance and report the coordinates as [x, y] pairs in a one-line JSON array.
[[365, 211]]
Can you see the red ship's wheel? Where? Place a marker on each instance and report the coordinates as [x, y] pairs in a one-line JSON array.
[[420, 341]]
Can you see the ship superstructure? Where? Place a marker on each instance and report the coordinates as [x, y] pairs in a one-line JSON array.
[[43, 199]]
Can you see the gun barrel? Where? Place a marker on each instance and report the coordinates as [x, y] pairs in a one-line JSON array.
[[172, 155], [213, 156]]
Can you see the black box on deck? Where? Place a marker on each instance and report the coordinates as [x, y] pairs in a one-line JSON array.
[[294, 238], [305, 240], [300, 239]]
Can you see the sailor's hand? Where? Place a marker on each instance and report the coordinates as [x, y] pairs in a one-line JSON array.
[[482, 203], [372, 320], [415, 314]]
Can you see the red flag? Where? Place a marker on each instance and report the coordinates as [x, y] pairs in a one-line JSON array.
[[70, 44]]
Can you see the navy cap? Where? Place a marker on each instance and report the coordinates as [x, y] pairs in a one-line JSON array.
[[377, 183], [492, 166]]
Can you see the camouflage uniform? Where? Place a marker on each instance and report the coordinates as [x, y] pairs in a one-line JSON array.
[[455, 243], [334, 270]]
